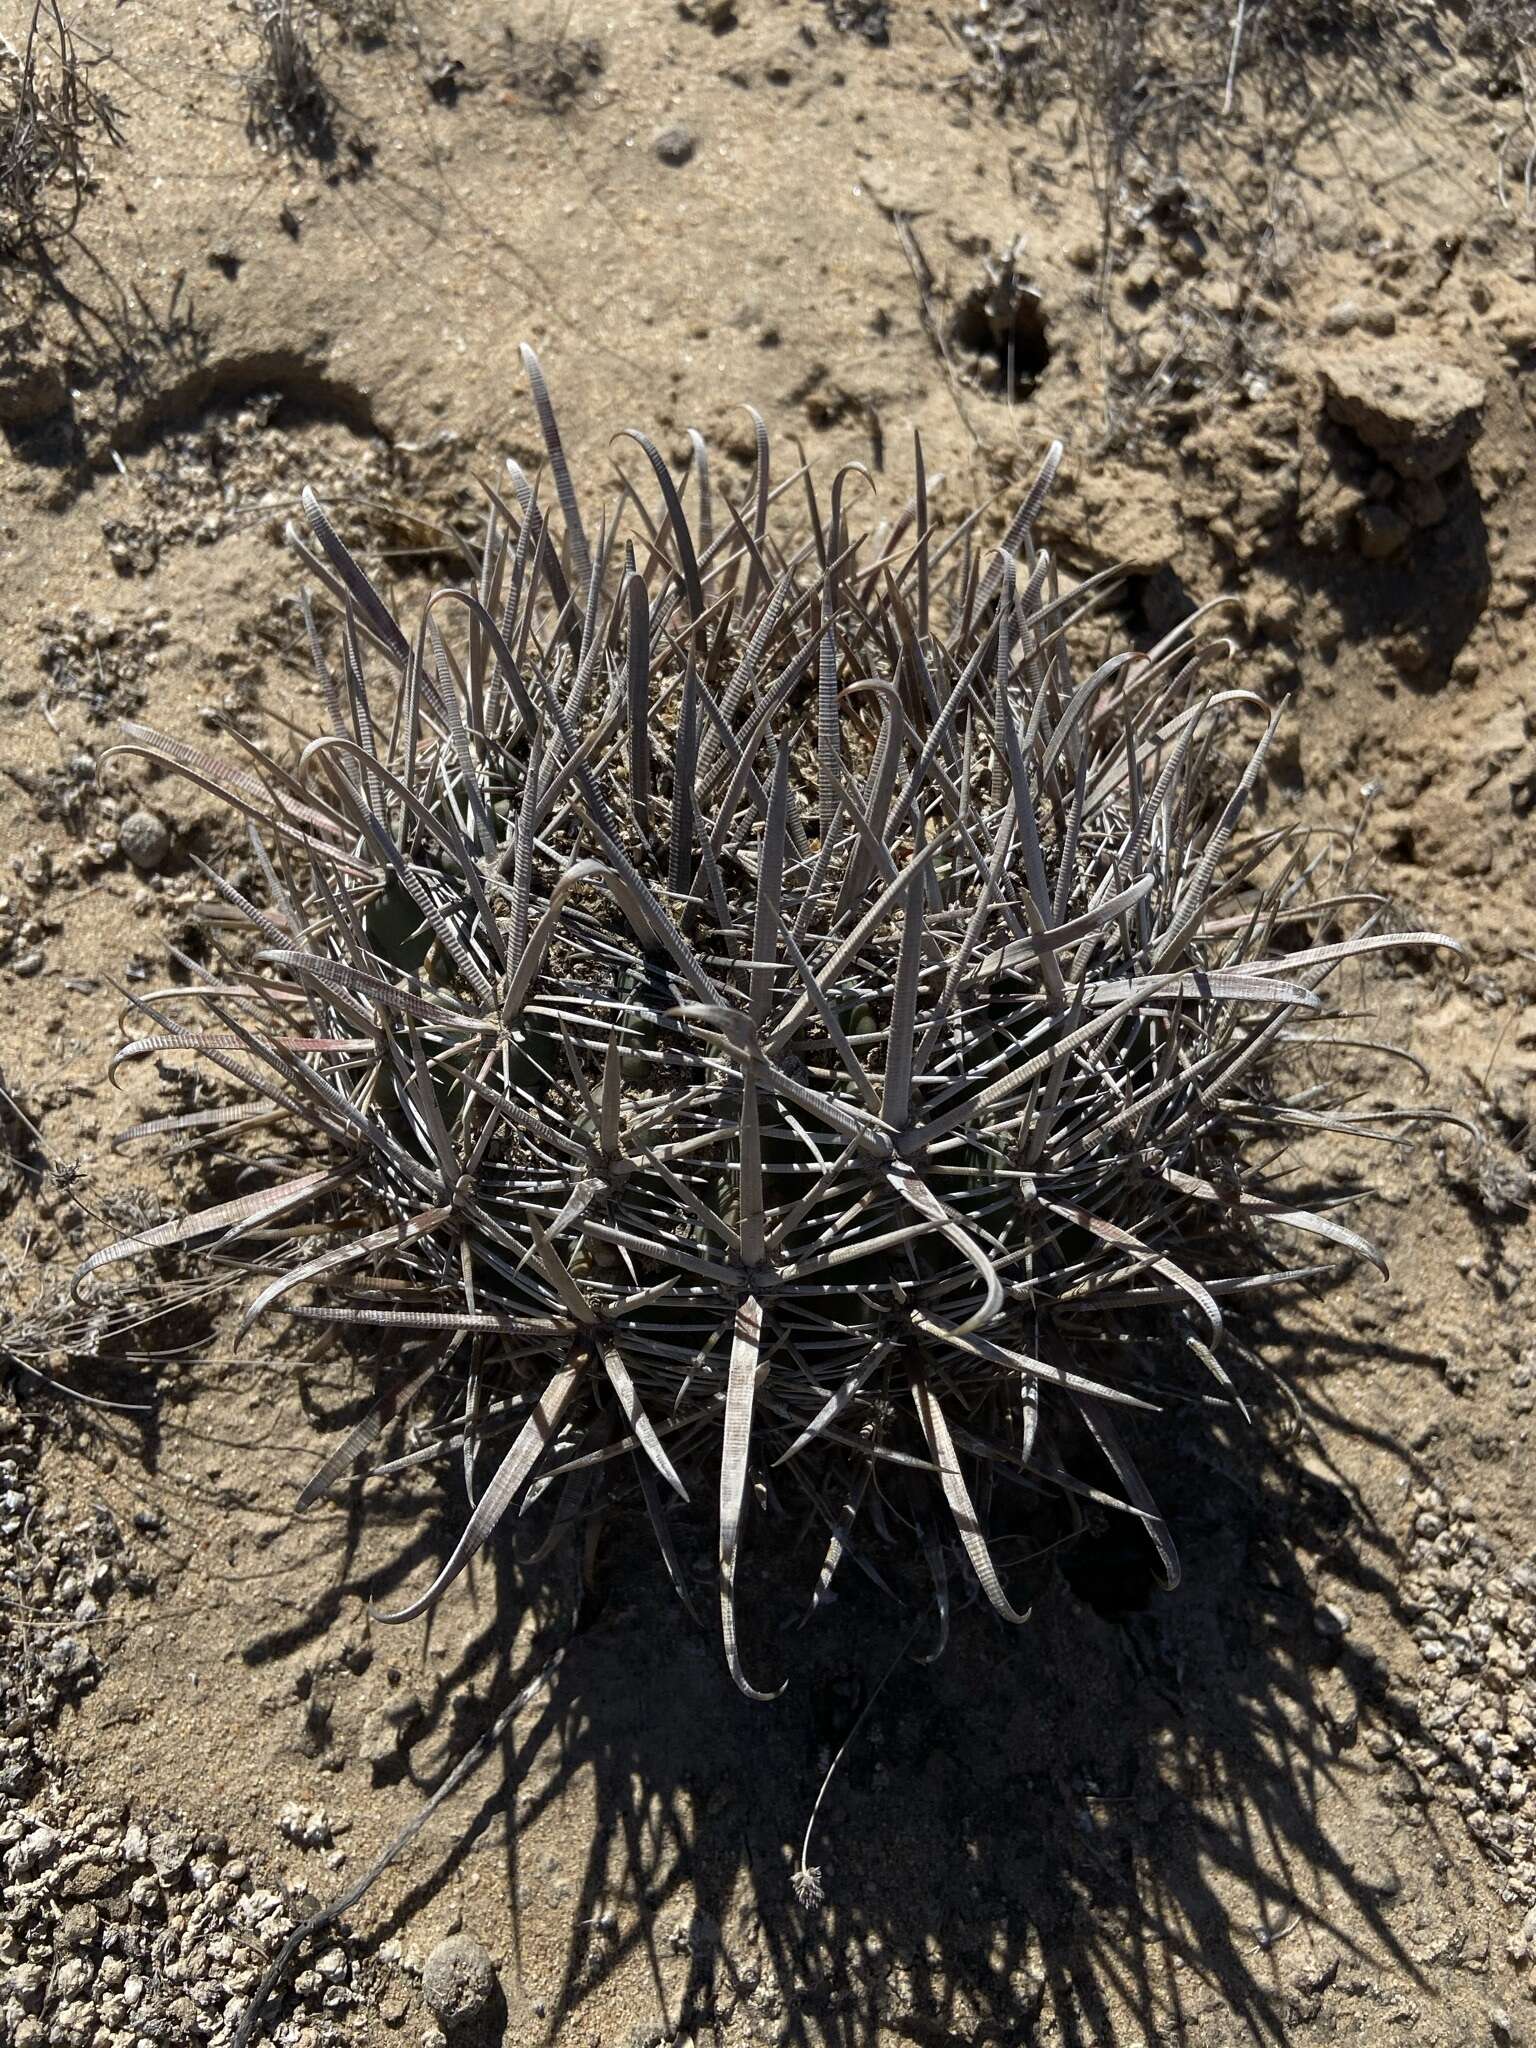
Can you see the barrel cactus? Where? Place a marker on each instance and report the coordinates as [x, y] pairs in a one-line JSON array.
[[729, 1012]]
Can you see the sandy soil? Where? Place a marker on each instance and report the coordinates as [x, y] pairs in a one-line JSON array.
[[1297, 1799]]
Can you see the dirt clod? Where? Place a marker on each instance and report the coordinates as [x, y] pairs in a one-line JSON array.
[[1421, 417]]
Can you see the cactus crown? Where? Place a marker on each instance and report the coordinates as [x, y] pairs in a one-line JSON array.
[[752, 1022]]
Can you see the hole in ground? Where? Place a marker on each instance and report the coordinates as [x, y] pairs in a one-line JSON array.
[[999, 331], [1151, 603]]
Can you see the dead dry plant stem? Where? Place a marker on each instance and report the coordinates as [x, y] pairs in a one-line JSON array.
[[922, 277], [807, 1876], [48, 111], [1237, 43], [1526, 128]]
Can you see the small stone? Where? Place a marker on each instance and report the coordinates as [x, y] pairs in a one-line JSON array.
[[79, 1926], [34, 1852], [385, 1731], [675, 145], [170, 1854], [1381, 531], [1141, 278], [1422, 502], [27, 1985], [72, 1977], [145, 839], [305, 1827], [1330, 1620], [379, 1742], [458, 1980], [25, 965]]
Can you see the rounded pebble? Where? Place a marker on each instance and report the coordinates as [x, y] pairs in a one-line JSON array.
[[457, 1980], [145, 838], [675, 145]]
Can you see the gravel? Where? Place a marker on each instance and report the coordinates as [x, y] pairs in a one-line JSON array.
[[1474, 1620], [121, 1929]]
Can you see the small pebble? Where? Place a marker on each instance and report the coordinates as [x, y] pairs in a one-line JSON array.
[[305, 1827], [675, 145], [145, 839], [457, 1980]]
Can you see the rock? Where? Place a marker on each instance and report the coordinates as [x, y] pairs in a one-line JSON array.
[[1381, 531], [27, 1985], [385, 1730], [73, 1977], [1329, 1620], [379, 1742], [1422, 502], [170, 1853], [145, 839], [306, 1827], [675, 145], [457, 1980], [34, 1852], [1421, 418], [67, 1659]]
